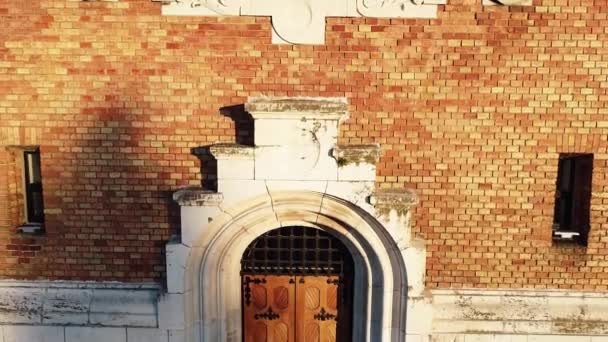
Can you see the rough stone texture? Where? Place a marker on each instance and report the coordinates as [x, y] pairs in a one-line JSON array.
[[519, 312], [40, 303], [311, 107]]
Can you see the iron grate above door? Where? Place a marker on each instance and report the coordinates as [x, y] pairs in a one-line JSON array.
[[296, 251]]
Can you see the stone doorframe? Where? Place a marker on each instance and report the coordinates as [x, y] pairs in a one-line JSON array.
[[295, 175], [214, 265]]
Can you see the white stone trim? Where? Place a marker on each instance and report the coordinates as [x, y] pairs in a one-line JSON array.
[[78, 303], [380, 295], [303, 21], [550, 312]]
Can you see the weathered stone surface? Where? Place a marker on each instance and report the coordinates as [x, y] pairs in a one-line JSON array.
[[281, 107], [24, 333], [231, 151], [66, 306], [95, 334], [399, 200], [21, 305], [124, 308], [194, 196], [519, 312], [147, 335]]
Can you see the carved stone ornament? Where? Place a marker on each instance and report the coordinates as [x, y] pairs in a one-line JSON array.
[[507, 2], [303, 21]]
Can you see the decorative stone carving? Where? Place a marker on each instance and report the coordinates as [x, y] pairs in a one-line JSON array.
[[398, 8], [303, 21], [507, 2]]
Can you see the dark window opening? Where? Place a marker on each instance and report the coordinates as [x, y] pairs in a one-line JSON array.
[[33, 187], [573, 198]]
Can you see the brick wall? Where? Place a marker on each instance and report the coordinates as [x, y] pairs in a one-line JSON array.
[[471, 110]]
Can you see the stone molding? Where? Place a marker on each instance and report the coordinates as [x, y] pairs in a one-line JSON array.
[[79, 304], [193, 196], [212, 269], [231, 151], [287, 107], [303, 21], [542, 312]]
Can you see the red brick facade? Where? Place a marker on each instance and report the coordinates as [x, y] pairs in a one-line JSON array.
[[471, 110]]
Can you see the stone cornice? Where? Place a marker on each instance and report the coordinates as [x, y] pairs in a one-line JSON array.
[[232, 151], [194, 196], [300, 108]]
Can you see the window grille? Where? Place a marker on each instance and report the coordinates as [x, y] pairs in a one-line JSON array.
[[297, 251]]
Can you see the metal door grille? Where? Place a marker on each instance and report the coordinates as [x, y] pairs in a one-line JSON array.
[[296, 251]]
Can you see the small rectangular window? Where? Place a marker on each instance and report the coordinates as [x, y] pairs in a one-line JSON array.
[[573, 198], [33, 187]]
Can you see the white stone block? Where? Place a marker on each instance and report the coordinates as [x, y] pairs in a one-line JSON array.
[[235, 168], [357, 193], [414, 257], [558, 338], [90, 334], [420, 316], [67, 306], [300, 162], [177, 257], [357, 172], [171, 312], [447, 338], [177, 336], [479, 338], [135, 308], [21, 305], [147, 335], [237, 191], [26, 333], [194, 221]]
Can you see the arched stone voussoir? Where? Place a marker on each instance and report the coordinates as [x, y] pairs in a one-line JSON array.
[[213, 267]]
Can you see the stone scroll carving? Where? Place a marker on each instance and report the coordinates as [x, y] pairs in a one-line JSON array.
[[507, 2], [303, 21]]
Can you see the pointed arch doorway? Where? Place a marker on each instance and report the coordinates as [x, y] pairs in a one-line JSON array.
[[297, 286]]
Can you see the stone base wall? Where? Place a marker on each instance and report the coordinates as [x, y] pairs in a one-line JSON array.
[[101, 312]]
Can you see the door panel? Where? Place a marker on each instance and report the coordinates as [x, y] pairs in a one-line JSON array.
[[316, 308], [294, 309], [268, 308]]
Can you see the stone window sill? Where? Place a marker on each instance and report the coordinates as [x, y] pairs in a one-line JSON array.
[[31, 229]]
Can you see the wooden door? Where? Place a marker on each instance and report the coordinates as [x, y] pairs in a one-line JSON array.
[[294, 309], [269, 308], [316, 309]]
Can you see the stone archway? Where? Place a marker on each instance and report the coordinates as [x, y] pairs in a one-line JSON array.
[[214, 264], [295, 175]]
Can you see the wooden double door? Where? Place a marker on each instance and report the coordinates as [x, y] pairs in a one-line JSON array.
[[296, 309]]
